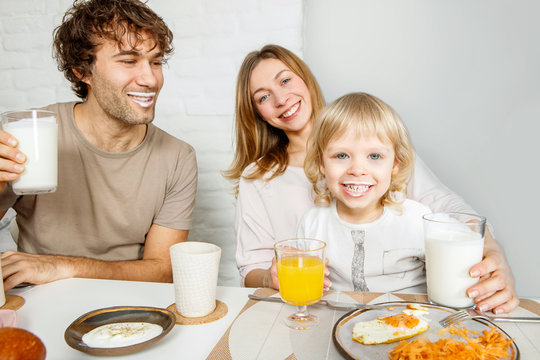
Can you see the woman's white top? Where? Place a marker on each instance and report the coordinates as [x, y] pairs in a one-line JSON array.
[[269, 211]]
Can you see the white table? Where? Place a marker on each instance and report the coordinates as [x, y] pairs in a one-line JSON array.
[[49, 309]]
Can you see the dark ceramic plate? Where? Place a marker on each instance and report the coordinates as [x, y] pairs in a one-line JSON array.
[[93, 319], [350, 349]]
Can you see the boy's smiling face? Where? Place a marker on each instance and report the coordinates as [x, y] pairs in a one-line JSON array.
[[358, 171]]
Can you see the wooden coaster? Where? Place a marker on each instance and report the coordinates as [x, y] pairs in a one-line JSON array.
[[219, 312], [13, 302]]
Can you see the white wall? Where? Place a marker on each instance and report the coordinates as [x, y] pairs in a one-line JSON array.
[[197, 101], [465, 77]]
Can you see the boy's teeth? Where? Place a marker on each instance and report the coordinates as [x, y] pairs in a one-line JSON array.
[[291, 111], [357, 187]]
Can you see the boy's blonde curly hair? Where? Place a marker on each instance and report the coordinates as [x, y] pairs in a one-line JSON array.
[[363, 114]]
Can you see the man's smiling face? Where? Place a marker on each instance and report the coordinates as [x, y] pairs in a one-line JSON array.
[[125, 82]]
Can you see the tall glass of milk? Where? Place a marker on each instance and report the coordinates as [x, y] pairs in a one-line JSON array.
[[454, 243], [37, 134]]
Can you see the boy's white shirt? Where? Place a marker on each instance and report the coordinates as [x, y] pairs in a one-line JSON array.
[[393, 247]]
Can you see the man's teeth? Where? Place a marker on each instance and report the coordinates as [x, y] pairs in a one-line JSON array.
[[143, 99], [291, 111], [142, 95]]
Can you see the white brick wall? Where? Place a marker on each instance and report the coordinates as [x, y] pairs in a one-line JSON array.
[[197, 101]]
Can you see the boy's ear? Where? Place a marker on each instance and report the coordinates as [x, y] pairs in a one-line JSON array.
[[395, 168], [321, 166]]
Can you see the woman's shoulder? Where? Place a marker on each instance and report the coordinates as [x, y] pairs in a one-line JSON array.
[[249, 169], [248, 179], [410, 208], [248, 175], [254, 167], [413, 205]]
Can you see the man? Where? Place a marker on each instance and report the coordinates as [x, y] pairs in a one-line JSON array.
[[126, 189]]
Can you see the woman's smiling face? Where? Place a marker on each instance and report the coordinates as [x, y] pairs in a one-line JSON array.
[[280, 96]]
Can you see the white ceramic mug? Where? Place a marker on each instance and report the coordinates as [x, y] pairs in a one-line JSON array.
[[195, 267], [37, 134], [454, 243]]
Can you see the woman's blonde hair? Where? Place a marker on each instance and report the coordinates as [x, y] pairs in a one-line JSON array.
[[362, 114], [256, 140]]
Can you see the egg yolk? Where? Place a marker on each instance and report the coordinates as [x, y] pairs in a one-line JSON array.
[[398, 320]]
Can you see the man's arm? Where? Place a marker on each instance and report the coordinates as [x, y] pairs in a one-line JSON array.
[[155, 265]]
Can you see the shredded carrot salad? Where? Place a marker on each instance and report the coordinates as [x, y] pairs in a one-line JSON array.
[[491, 345]]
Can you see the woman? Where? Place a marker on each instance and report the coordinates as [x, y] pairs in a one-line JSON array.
[[277, 98]]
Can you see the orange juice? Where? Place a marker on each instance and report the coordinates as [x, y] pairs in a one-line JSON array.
[[300, 279]]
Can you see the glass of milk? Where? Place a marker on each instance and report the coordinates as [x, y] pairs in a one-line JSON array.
[[37, 133], [454, 243]]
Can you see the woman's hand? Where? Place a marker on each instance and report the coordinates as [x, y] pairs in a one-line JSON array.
[[495, 291], [327, 283]]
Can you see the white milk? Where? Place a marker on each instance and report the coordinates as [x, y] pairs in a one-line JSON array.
[[449, 257], [38, 141]]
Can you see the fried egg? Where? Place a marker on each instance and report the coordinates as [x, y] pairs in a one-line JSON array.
[[121, 334], [393, 328]]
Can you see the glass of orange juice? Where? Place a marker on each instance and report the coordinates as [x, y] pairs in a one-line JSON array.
[[300, 268]]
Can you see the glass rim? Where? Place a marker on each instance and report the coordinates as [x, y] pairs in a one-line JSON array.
[[477, 219], [322, 243], [8, 113], [191, 247]]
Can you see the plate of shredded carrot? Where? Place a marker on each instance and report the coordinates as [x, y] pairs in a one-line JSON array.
[[468, 340]]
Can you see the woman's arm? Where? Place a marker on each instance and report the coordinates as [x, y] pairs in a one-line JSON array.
[[263, 277], [426, 188], [254, 237], [495, 290]]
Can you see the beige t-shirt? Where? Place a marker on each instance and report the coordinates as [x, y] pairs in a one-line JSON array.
[[105, 202]]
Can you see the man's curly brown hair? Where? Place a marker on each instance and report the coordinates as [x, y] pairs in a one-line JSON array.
[[87, 23]]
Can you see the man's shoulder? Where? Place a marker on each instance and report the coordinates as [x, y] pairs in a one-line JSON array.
[[61, 107], [169, 141]]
